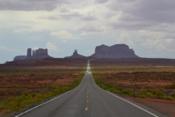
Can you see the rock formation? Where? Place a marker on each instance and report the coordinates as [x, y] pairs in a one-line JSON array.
[[76, 55], [32, 55], [117, 51]]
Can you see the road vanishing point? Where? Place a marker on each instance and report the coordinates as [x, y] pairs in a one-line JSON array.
[[89, 100]]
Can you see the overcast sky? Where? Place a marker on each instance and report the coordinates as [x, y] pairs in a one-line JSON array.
[[147, 26]]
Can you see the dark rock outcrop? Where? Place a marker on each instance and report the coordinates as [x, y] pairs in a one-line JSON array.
[[76, 55], [20, 57], [117, 51], [33, 55]]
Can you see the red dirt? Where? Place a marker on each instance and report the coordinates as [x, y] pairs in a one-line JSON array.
[[166, 107], [3, 112], [154, 81], [164, 80], [18, 81]]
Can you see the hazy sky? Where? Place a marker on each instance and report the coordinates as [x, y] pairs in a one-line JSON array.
[[147, 26]]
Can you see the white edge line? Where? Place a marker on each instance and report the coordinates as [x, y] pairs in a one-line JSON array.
[[42, 104], [129, 102]]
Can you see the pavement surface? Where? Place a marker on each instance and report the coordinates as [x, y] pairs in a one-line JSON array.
[[88, 100]]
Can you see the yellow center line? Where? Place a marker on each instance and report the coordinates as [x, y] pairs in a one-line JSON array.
[[86, 108]]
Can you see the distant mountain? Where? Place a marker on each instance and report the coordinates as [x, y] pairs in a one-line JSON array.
[[76, 55], [117, 51], [119, 54], [37, 54]]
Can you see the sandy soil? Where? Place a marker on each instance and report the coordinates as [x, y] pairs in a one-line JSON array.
[[166, 107]]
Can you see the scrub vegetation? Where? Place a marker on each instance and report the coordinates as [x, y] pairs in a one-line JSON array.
[[137, 81], [24, 87]]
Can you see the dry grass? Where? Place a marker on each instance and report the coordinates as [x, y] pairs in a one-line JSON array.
[[23, 87], [139, 81]]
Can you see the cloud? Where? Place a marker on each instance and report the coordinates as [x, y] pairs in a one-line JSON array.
[[127, 15], [6, 49], [102, 1], [62, 34], [51, 46], [34, 5], [29, 5], [144, 13], [147, 25], [90, 29], [155, 11], [73, 16]]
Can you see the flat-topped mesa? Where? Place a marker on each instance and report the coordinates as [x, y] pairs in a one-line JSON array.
[[114, 52], [33, 54]]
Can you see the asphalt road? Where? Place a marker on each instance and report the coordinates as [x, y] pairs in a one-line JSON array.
[[88, 100]]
